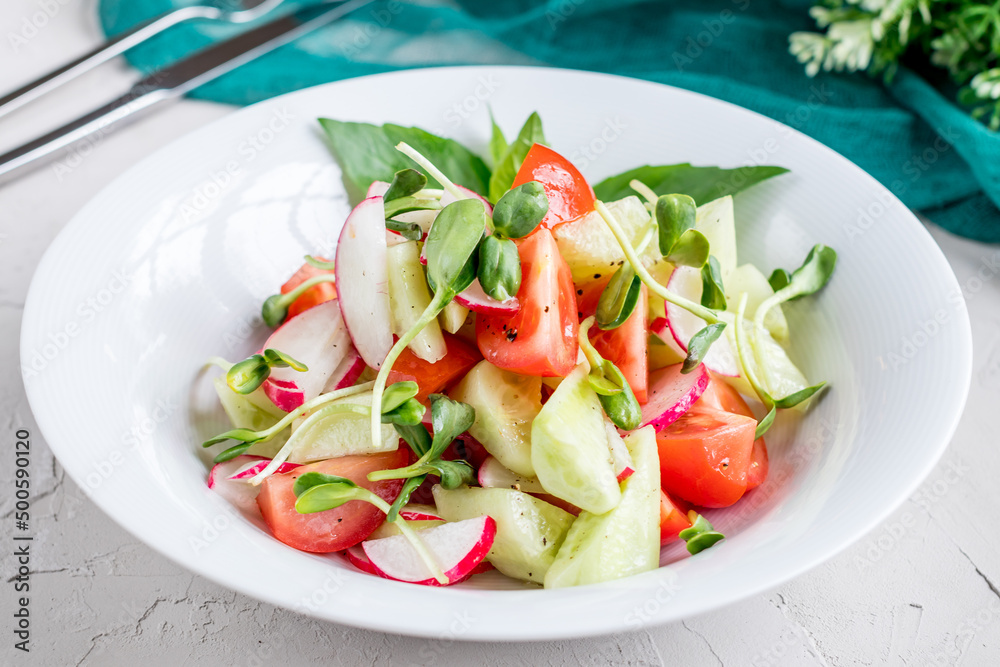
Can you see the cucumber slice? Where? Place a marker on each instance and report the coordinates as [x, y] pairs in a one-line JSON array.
[[769, 362], [589, 247], [569, 447], [505, 403], [453, 317], [529, 530], [409, 296], [318, 437], [748, 278], [253, 411], [717, 222], [624, 541]]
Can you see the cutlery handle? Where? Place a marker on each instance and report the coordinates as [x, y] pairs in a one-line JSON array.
[[113, 47]]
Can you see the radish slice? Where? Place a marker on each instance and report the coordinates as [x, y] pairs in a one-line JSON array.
[[247, 472], [418, 512], [448, 198], [476, 299], [671, 393], [240, 494], [362, 281], [356, 556], [686, 281], [347, 373], [457, 547], [493, 475], [317, 338], [377, 189], [624, 467]]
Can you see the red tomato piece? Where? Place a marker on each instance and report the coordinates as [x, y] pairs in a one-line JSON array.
[[432, 378], [705, 456], [335, 529], [626, 346], [540, 339], [722, 396], [314, 295], [673, 519], [569, 194]]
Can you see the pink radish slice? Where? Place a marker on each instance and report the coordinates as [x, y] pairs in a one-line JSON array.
[[238, 493], [624, 467], [418, 512], [250, 471], [347, 373], [476, 299], [362, 281], [356, 556], [493, 475], [457, 547], [686, 281], [671, 393], [318, 338], [448, 198], [377, 189]]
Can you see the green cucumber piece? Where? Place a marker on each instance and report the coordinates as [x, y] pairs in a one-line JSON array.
[[338, 434], [409, 296], [624, 541]]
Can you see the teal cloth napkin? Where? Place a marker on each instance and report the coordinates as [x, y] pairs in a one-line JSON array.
[[735, 50]]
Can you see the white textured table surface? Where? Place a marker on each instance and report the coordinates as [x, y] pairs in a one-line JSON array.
[[921, 590]]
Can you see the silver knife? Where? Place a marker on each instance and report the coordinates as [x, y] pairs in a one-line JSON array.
[[174, 81]]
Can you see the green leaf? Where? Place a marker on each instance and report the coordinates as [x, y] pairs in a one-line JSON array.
[[245, 376], [765, 424], [404, 183], [506, 168], [367, 153], [278, 359], [324, 497], [703, 184], [700, 536], [794, 399], [241, 434], [691, 249], [311, 479], [619, 298], [409, 486], [453, 474], [520, 210], [606, 379], [416, 436], [712, 293], [622, 408], [498, 143], [232, 452], [274, 311], [410, 231], [409, 413], [779, 279], [450, 419], [398, 393], [699, 345], [407, 204], [675, 214], [812, 276], [499, 267], [451, 245]]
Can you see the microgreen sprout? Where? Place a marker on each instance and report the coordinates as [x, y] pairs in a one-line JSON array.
[[499, 268], [701, 535], [245, 376], [317, 492], [405, 183], [621, 294], [429, 167], [275, 308], [516, 215], [320, 263], [613, 390], [712, 293]]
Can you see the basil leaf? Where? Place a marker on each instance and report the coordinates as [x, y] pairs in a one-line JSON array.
[[498, 143], [712, 293], [451, 245], [703, 184], [367, 153], [310, 479], [416, 436], [450, 419], [699, 345], [499, 267], [675, 215], [506, 169], [691, 249], [406, 182], [619, 298], [520, 210]]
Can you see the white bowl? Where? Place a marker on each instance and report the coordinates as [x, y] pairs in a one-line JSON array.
[[169, 265]]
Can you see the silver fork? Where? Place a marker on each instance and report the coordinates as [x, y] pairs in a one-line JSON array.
[[221, 10]]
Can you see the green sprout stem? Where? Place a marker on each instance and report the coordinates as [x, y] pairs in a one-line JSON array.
[[289, 298], [751, 376], [428, 166], [640, 270], [643, 190], [407, 532], [219, 362], [594, 357]]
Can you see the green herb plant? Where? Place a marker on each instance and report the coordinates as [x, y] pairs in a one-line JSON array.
[[613, 390], [245, 376], [700, 535]]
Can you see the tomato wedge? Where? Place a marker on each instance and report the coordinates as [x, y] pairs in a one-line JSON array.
[[673, 519], [312, 296], [540, 339], [569, 194], [458, 360], [705, 456], [338, 528], [722, 396], [626, 347]]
